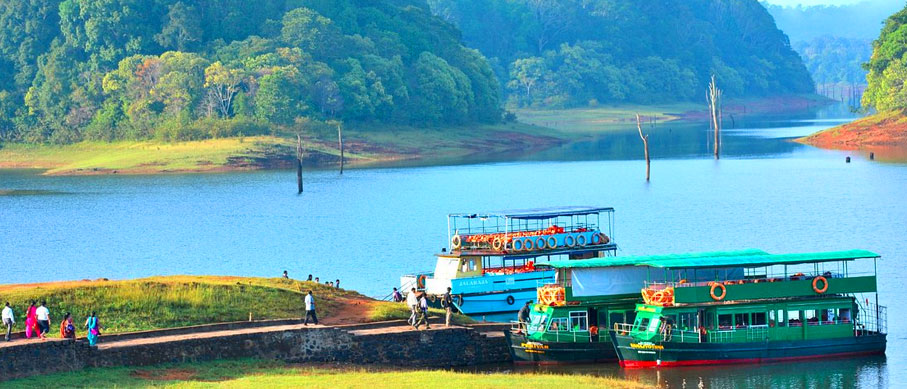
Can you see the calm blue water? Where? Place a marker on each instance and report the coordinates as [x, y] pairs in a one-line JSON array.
[[371, 225]]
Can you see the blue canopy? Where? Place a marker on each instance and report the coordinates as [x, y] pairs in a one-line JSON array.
[[538, 213]]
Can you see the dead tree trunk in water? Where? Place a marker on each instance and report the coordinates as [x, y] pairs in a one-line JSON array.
[[645, 144], [299, 162], [340, 141], [714, 99]]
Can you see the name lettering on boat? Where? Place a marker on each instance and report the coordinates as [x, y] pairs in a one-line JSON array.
[[534, 347], [646, 309], [646, 346], [509, 281], [473, 282]]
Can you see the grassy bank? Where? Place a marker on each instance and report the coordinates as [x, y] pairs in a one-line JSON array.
[[176, 301], [363, 146], [251, 373], [884, 134]]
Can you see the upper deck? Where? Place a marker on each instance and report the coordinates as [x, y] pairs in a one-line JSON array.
[[528, 233]]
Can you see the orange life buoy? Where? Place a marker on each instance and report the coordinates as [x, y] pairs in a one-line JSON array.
[[552, 242], [497, 244], [816, 283], [455, 242], [527, 244], [593, 330], [569, 240], [604, 238], [541, 243], [723, 292], [420, 282], [581, 240]]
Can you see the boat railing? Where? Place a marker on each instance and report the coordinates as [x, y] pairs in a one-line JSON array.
[[753, 279], [872, 319]]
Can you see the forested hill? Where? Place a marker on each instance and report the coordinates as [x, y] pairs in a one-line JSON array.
[[168, 69], [887, 77], [573, 52]]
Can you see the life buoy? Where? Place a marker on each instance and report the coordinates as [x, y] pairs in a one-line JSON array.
[[459, 300], [517, 245], [497, 244], [581, 240], [510, 300], [527, 244], [596, 239], [593, 330], [569, 241], [723, 292], [420, 281], [816, 283], [456, 241], [604, 238], [541, 243], [552, 242]]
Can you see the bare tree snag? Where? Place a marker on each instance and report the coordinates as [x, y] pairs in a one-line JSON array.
[[340, 141], [299, 162], [714, 99], [645, 144]]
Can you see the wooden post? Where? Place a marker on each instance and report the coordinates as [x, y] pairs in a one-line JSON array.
[[340, 141], [714, 99], [299, 162], [645, 144]]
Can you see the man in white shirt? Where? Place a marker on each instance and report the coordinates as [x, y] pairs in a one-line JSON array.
[[413, 301], [310, 309], [8, 319], [43, 319]]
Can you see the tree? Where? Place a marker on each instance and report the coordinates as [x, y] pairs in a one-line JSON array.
[[223, 84], [308, 30], [327, 95], [278, 99], [183, 30], [525, 73]]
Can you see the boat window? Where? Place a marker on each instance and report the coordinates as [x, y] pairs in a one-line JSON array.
[[687, 321], [558, 325], [631, 316], [537, 322], [579, 321], [742, 320], [793, 318], [653, 325], [780, 318], [811, 317], [843, 315], [759, 319], [725, 322], [642, 323], [616, 317]]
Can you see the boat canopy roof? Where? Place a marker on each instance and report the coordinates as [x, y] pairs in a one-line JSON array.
[[716, 259], [537, 213]]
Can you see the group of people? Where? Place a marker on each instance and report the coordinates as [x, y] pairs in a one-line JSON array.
[[37, 323], [418, 306], [333, 284]]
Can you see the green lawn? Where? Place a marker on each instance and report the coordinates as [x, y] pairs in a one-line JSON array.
[[584, 121], [272, 374]]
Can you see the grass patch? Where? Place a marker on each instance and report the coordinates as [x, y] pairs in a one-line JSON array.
[[584, 121], [175, 301], [255, 373]]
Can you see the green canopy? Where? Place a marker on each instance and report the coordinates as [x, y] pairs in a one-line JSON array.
[[711, 259]]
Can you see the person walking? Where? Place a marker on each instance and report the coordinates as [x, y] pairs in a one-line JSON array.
[[43, 315], [31, 321], [285, 275], [523, 316], [412, 300], [310, 309], [9, 319], [94, 329], [447, 304], [423, 312], [310, 278], [398, 298], [337, 284], [67, 329]]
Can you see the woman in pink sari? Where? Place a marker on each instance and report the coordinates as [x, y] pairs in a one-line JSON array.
[[31, 321]]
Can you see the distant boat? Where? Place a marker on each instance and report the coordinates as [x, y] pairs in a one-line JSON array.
[[491, 267]]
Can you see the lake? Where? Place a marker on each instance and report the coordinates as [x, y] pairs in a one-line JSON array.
[[369, 226]]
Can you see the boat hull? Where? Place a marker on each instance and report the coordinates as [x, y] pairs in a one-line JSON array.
[[528, 351], [636, 354], [497, 297]]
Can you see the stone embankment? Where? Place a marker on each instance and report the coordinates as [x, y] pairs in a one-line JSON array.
[[385, 343]]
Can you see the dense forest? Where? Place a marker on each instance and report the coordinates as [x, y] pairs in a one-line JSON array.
[[75, 70], [834, 41], [887, 77], [579, 52]]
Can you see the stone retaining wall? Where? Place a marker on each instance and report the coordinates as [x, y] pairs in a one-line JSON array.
[[456, 346]]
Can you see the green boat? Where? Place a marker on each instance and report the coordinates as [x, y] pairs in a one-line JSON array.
[[786, 307], [589, 295]]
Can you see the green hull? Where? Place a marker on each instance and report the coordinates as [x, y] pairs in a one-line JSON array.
[[528, 351], [634, 353]]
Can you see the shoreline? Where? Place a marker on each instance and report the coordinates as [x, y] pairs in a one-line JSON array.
[[371, 146], [883, 134]]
